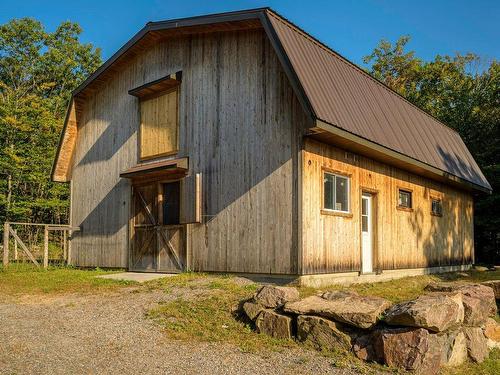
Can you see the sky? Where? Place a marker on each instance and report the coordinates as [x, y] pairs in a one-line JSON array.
[[352, 28]]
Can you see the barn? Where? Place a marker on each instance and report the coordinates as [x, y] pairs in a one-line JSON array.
[[237, 142]]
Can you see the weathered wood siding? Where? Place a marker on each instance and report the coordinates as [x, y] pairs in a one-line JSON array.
[[402, 239], [239, 125]]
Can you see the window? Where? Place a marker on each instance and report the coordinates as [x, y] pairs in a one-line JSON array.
[[336, 192], [404, 200], [436, 207], [159, 125]]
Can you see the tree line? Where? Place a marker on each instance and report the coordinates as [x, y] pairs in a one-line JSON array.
[[39, 69]]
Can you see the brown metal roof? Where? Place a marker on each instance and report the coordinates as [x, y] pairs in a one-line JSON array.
[[343, 95], [332, 89]]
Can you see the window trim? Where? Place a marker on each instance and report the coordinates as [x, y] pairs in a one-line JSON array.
[[404, 208], [176, 88], [440, 200], [329, 211]]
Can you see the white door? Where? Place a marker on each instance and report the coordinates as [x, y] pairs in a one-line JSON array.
[[366, 234]]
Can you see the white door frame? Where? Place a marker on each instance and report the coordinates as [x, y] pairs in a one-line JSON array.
[[366, 217]]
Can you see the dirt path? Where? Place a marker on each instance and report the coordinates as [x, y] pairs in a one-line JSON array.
[[109, 334]]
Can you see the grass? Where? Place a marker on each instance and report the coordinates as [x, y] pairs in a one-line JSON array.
[[18, 280], [212, 315], [206, 307], [409, 287], [490, 366]]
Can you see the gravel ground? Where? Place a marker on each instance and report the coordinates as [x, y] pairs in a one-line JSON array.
[[109, 334]]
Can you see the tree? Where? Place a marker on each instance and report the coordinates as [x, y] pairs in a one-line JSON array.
[[38, 71], [456, 91]]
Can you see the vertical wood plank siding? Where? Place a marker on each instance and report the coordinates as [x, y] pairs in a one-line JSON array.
[[403, 239], [240, 126]]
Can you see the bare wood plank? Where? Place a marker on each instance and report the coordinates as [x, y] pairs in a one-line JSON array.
[[46, 247], [65, 246], [6, 229], [15, 247]]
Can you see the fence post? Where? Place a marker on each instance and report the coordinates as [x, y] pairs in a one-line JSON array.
[[46, 246], [15, 246], [65, 248], [5, 243]]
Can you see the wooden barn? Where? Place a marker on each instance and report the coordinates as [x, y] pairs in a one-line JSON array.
[[237, 142]]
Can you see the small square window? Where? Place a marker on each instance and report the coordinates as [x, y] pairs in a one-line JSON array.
[[436, 207], [404, 199], [335, 192]]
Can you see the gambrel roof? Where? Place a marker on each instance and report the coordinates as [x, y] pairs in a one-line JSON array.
[[345, 102]]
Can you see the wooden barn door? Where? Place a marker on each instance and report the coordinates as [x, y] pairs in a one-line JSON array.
[[157, 243]]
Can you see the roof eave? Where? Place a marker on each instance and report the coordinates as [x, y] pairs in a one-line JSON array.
[[469, 185]]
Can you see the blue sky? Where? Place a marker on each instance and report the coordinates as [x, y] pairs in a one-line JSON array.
[[352, 28]]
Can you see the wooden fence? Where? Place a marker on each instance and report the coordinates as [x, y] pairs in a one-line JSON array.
[[10, 230]]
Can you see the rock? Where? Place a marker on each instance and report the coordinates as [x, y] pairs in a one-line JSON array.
[[477, 344], [481, 268], [495, 285], [491, 331], [478, 300], [454, 349], [273, 324], [322, 333], [435, 312], [276, 296], [252, 309], [413, 349], [368, 347], [344, 307]]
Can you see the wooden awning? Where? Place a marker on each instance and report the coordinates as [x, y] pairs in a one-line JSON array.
[[164, 168], [157, 87]]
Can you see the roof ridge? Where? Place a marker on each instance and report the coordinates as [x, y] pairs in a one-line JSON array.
[[351, 64]]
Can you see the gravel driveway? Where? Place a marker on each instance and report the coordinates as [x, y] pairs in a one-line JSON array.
[[109, 334]]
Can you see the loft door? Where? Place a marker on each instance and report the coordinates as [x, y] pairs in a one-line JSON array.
[[157, 243]]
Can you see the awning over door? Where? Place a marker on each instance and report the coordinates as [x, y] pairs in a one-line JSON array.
[[166, 168]]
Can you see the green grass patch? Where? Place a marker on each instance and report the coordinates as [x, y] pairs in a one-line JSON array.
[[409, 287], [213, 317], [23, 279], [490, 366]]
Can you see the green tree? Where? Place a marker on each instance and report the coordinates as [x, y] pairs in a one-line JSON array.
[[38, 71], [467, 98]]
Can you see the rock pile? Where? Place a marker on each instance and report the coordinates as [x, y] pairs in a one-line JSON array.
[[442, 328]]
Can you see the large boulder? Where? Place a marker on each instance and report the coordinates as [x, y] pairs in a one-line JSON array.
[[413, 349], [252, 309], [322, 333], [477, 344], [344, 307], [435, 312], [495, 285], [454, 348], [275, 296], [491, 331], [478, 300], [273, 324]]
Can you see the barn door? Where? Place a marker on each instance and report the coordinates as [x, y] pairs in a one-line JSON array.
[[158, 243]]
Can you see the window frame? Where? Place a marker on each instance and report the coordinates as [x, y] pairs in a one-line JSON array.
[[330, 211], [440, 200], [177, 89], [404, 208]]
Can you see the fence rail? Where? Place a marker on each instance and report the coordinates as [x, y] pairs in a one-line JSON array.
[[10, 230]]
